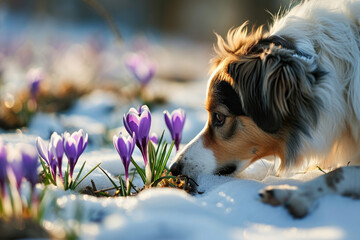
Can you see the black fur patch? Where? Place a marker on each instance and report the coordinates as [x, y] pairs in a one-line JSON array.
[[283, 41], [225, 94], [226, 170], [248, 76], [292, 148], [265, 43], [232, 130]]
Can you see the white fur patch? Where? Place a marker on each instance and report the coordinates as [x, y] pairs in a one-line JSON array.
[[195, 158]]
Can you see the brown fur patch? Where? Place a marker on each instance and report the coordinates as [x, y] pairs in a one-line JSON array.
[[334, 177], [238, 42], [247, 142]]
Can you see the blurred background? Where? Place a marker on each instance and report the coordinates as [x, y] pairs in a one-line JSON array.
[[82, 63], [196, 20]]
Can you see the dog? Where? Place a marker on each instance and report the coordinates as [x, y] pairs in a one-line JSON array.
[[292, 92]]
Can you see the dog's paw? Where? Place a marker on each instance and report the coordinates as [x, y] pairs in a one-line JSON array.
[[276, 195], [296, 201], [298, 205]]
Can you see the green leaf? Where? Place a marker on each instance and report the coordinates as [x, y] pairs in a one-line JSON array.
[[66, 178], [139, 170], [122, 187], [47, 173], [81, 169], [130, 184], [320, 169], [103, 194], [161, 157], [159, 143], [161, 162], [113, 183], [152, 158], [76, 184], [167, 157]]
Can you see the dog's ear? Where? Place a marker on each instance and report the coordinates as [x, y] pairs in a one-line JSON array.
[[247, 74], [277, 85], [288, 79], [288, 86]]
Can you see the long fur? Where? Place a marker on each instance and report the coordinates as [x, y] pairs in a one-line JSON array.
[[303, 76], [292, 92]]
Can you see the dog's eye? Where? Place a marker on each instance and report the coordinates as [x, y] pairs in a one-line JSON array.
[[218, 119]]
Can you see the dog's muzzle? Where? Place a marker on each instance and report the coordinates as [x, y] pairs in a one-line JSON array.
[[194, 159]]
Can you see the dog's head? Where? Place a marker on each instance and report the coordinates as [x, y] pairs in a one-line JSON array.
[[261, 100]]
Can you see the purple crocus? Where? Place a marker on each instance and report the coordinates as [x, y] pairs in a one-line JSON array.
[[74, 146], [35, 76], [154, 138], [142, 69], [52, 153], [15, 168], [29, 163], [3, 167], [125, 148], [139, 122], [175, 123]]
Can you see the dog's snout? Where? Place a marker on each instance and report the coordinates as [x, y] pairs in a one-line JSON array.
[[176, 168]]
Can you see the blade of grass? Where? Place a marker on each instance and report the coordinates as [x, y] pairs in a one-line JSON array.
[[167, 157], [113, 183], [152, 157], [81, 169], [139, 170], [161, 162], [160, 158], [86, 175], [130, 183], [47, 173], [159, 143], [320, 169], [122, 187], [66, 178]]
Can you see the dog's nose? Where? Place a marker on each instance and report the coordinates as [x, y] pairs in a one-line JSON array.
[[176, 168]]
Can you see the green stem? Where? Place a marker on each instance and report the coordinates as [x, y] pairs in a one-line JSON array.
[[148, 174]]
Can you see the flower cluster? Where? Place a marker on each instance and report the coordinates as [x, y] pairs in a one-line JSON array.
[[137, 123], [17, 162], [73, 145]]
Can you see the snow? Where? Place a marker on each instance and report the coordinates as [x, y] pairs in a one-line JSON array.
[[229, 208]]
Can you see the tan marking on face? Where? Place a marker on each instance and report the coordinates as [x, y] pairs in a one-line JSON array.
[[247, 142]]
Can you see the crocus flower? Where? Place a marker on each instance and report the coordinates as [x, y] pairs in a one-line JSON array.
[[52, 153], [142, 69], [35, 76], [57, 148], [154, 138], [15, 167], [3, 167], [139, 122], [29, 163], [175, 123], [125, 148], [74, 146]]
